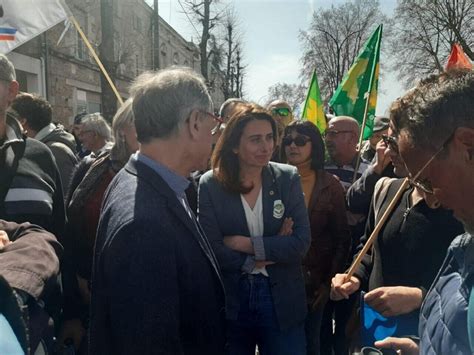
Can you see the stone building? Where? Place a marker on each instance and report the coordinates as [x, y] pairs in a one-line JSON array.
[[69, 77]]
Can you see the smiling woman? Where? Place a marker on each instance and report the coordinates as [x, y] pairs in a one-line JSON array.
[[253, 213]]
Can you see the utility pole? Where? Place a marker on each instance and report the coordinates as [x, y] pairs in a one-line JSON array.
[[107, 53], [156, 36]]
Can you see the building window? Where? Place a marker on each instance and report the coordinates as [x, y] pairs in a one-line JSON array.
[[186, 63], [175, 58], [137, 23], [163, 52]]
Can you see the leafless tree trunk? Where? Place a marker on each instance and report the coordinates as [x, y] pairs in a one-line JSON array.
[[424, 32], [334, 39]]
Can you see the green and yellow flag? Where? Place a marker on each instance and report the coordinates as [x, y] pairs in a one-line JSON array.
[[313, 107], [363, 76]]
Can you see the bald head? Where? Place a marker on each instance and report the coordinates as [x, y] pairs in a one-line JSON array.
[[341, 138], [346, 123]]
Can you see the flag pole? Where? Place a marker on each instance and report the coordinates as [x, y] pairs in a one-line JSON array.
[[361, 136], [366, 110], [94, 55], [377, 229]]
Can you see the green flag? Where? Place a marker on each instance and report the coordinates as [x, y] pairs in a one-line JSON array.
[[349, 98], [313, 107]]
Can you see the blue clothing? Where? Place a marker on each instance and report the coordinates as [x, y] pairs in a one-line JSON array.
[[443, 317], [221, 213], [257, 323], [156, 285]]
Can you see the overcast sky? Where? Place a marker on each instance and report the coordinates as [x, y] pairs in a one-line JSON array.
[[271, 47]]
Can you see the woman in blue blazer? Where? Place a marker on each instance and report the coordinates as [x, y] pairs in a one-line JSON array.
[[253, 213]]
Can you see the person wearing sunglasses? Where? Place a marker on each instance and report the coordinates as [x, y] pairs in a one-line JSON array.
[[254, 215], [283, 115], [303, 147], [434, 127]]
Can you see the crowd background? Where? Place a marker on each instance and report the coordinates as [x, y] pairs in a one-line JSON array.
[[177, 230]]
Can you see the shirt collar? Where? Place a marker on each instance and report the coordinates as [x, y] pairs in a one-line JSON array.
[[43, 132], [175, 181]]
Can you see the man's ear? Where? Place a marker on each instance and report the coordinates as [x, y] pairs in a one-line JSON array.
[[13, 88], [464, 140], [194, 124]]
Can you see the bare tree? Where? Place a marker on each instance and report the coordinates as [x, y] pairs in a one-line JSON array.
[[424, 33], [206, 13], [334, 39], [232, 52], [293, 94]]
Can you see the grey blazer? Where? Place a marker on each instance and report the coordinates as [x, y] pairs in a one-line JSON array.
[[221, 213]]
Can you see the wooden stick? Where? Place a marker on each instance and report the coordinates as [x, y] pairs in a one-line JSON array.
[[94, 55], [376, 230]]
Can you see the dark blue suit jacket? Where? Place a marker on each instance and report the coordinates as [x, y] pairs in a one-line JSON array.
[[156, 286], [221, 213]]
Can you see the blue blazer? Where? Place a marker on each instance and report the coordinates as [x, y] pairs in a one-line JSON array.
[[156, 286], [221, 213]]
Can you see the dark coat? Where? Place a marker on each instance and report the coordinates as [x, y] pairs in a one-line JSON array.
[[330, 236], [221, 213], [156, 287]]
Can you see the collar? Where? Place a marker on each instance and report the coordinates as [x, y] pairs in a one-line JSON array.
[[175, 181], [45, 131]]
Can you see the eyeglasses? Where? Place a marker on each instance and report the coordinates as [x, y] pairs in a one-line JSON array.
[[332, 133], [425, 185], [218, 121], [282, 111], [300, 141], [391, 142]]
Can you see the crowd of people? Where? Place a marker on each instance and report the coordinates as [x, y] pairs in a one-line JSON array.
[[176, 230]]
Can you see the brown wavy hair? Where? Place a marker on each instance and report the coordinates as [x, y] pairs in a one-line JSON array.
[[224, 162]]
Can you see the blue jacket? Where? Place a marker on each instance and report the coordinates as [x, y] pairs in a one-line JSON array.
[[443, 317], [156, 286], [221, 213]]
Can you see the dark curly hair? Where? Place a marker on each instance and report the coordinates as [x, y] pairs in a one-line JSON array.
[[34, 109], [432, 110]]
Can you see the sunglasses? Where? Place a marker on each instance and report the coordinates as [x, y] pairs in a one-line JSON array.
[[391, 142], [282, 111], [300, 141]]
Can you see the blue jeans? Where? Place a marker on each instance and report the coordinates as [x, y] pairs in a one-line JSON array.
[[257, 323]]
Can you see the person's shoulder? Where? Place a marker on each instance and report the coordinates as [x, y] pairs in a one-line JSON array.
[[280, 169], [208, 178]]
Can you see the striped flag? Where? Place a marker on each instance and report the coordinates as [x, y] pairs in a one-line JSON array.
[[21, 20], [313, 107]]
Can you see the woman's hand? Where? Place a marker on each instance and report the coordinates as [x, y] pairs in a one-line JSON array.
[[286, 228], [393, 301], [239, 243], [340, 288]]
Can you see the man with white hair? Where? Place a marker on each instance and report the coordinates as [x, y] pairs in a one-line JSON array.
[[95, 134], [156, 285]]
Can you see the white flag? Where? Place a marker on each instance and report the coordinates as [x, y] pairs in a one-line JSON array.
[[21, 20]]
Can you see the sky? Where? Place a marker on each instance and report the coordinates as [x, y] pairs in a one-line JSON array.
[[271, 47]]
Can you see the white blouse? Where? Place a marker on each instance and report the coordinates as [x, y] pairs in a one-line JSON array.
[[254, 219]]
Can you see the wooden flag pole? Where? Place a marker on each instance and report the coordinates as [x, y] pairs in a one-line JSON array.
[[361, 136], [94, 55], [376, 230]]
